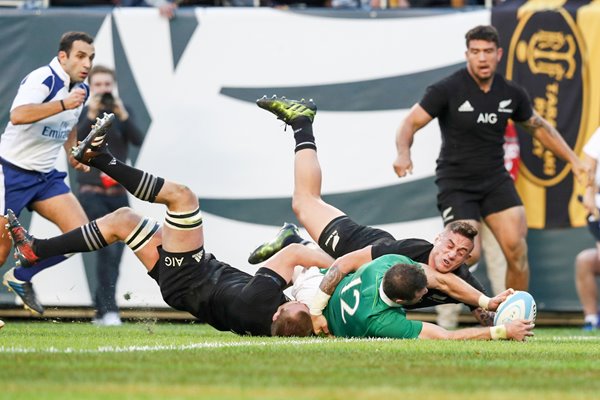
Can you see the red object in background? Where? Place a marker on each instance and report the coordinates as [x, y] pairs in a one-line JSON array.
[[107, 181], [512, 156]]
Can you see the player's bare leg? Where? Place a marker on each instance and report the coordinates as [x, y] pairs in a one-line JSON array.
[[510, 228], [312, 212]]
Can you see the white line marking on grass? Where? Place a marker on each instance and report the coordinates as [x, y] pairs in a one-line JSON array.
[[183, 347], [580, 338]]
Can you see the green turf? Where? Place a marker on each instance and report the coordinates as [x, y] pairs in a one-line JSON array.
[[46, 360]]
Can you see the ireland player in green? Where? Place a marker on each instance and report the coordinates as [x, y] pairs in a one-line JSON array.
[[367, 293], [359, 306]]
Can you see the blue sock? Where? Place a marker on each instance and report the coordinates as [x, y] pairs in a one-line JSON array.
[[25, 274]]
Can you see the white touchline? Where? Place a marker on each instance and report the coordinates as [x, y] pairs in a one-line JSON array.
[[191, 346]]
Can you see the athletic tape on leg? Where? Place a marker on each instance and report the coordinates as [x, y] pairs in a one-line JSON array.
[[184, 220], [141, 234]]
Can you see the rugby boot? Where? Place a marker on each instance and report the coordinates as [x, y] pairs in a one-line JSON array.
[[95, 142], [24, 290], [288, 234], [288, 110], [22, 241]]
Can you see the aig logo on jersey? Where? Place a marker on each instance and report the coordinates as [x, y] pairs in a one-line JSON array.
[[487, 118], [171, 261]]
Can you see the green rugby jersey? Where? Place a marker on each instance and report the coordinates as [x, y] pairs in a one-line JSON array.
[[356, 308]]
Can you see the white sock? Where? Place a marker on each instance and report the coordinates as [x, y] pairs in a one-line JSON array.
[[592, 318]]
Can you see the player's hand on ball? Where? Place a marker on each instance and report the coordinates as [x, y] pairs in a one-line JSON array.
[[499, 299], [320, 325], [519, 329]]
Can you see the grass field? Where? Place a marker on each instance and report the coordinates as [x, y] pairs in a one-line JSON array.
[[46, 360]]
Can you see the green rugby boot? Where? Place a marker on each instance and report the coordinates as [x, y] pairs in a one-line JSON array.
[[288, 110], [287, 235]]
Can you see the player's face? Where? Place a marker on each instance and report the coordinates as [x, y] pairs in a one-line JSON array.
[[291, 306], [101, 83], [79, 60], [482, 59], [449, 251]]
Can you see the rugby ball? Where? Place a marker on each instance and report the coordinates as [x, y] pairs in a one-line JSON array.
[[519, 305]]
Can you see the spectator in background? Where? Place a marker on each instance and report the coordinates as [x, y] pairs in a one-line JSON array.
[[165, 7], [98, 193], [587, 263]]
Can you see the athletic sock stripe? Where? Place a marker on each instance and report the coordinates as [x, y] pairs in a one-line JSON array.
[[151, 187], [89, 237], [93, 237], [87, 242], [98, 234], [141, 186]]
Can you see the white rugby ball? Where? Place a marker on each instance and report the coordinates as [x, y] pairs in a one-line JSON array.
[[519, 305]]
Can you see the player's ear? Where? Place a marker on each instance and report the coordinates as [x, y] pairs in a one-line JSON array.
[[62, 56], [500, 52]]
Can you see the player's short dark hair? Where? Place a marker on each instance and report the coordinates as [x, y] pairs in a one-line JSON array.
[[403, 281], [290, 323], [463, 228], [101, 69], [483, 32], [67, 39]]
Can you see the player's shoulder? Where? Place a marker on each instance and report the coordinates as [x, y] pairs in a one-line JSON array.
[[457, 78], [504, 83], [38, 76]]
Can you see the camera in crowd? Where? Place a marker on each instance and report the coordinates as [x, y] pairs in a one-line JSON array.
[[108, 101]]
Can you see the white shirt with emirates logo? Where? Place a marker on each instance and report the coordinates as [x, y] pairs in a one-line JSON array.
[[36, 146]]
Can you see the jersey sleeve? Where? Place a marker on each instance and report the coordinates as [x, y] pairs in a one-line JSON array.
[[434, 100], [392, 324], [33, 90], [523, 111], [265, 285], [415, 249]]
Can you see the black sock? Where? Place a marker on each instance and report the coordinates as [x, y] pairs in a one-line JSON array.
[[141, 184], [303, 134], [83, 239]]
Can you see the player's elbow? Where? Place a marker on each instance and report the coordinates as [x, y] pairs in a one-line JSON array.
[[17, 117]]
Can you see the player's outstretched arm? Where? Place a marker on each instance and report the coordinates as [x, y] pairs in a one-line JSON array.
[[518, 330], [457, 288], [552, 140], [415, 120], [30, 113]]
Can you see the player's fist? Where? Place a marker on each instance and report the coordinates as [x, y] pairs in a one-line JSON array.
[[403, 165], [75, 98]]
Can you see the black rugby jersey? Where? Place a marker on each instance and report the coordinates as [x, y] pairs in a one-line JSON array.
[[418, 250], [473, 122], [220, 295]]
